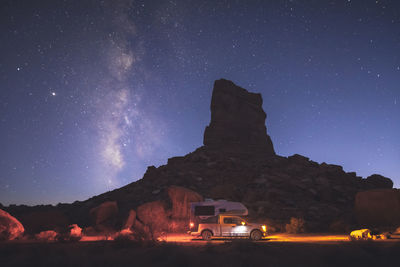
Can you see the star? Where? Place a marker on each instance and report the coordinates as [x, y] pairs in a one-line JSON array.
[[53, 93]]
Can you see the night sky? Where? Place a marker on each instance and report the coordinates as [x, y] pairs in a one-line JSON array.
[[93, 92]]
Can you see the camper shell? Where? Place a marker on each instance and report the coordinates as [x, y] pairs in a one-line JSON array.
[[207, 211]]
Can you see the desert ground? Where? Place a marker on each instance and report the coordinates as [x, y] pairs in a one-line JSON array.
[[181, 250]]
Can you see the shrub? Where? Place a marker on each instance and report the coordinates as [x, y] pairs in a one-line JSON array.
[[296, 225], [339, 226]]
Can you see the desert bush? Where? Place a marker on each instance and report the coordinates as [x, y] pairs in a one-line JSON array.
[[271, 229], [339, 226], [296, 225]]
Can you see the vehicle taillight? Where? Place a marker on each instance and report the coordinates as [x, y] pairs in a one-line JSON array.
[[191, 225]]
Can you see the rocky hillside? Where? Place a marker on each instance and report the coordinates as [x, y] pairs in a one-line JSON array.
[[237, 162]]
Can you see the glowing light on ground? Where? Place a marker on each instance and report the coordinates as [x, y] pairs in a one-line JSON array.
[[300, 238]]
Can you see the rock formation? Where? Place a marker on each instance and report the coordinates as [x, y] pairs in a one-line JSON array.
[[181, 198], [238, 163], [237, 121]]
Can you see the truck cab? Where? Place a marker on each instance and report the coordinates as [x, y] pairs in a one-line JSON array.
[[229, 226]]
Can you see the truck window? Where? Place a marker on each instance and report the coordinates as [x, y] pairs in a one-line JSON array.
[[204, 211], [228, 221], [212, 219], [236, 221]]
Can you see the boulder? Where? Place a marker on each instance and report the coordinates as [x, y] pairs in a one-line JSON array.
[[10, 227], [141, 232], [377, 208], [105, 213], [376, 181], [181, 198], [47, 236], [130, 221], [153, 215], [75, 232], [237, 121]]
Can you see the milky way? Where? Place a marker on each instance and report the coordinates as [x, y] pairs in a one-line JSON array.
[[93, 92]]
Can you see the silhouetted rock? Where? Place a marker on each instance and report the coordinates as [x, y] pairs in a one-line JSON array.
[[10, 227], [237, 163], [378, 181], [180, 198], [105, 214], [379, 207], [237, 121]]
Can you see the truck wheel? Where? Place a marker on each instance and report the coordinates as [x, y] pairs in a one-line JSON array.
[[206, 235], [255, 235]]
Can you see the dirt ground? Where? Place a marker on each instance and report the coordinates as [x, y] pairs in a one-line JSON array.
[[226, 253]]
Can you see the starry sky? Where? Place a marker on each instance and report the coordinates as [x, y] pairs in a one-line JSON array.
[[93, 92]]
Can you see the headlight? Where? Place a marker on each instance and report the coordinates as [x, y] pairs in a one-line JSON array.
[[264, 228]]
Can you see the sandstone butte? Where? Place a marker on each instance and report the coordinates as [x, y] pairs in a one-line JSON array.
[[237, 162]]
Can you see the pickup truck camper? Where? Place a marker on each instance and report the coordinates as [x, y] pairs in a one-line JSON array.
[[221, 218]]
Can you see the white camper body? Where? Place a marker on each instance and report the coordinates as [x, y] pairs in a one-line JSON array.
[[214, 207]]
